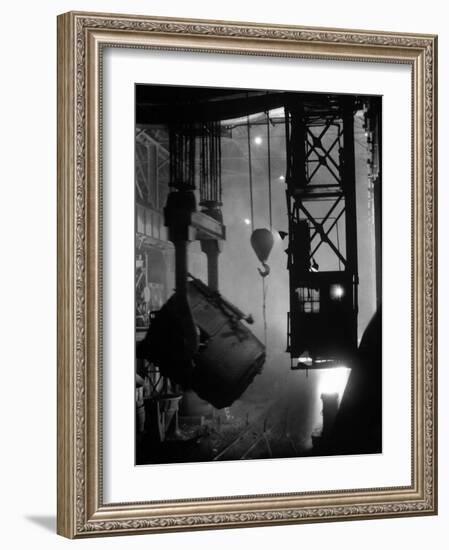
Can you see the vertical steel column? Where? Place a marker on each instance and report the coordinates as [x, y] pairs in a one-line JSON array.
[[178, 219], [181, 202], [296, 175], [181, 269], [212, 247], [210, 195], [212, 270], [348, 184], [377, 140]]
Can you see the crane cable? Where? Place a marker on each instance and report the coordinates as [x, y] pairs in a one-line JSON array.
[[251, 196], [250, 173], [269, 170], [264, 285]]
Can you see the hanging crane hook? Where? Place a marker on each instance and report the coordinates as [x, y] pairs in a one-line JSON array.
[[265, 271]]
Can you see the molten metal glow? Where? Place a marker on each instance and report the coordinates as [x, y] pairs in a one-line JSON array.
[[333, 380]]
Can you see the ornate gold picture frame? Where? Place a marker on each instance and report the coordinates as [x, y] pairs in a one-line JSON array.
[[82, 41]]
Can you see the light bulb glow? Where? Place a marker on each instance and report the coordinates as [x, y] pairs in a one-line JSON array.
[[336, 292], [258, 140]]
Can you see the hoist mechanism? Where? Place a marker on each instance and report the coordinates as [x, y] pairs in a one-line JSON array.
[[262, 239], [322, 249], [198, 339]]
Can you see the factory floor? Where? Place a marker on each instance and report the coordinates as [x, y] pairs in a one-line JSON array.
[[262, 424]]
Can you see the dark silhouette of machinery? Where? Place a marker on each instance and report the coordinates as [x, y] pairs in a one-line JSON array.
[[198, 339], [219, 360], [322, 323]]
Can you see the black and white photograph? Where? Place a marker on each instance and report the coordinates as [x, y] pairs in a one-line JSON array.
[[258, 294], [225, 231]]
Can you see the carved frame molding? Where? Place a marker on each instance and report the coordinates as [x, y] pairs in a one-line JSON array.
[[81, 39]]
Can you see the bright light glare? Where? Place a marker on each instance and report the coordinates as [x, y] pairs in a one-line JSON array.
[[282, 178], [258, 140], [247, 221], [333, 380], [305, 359], [337, 292]]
